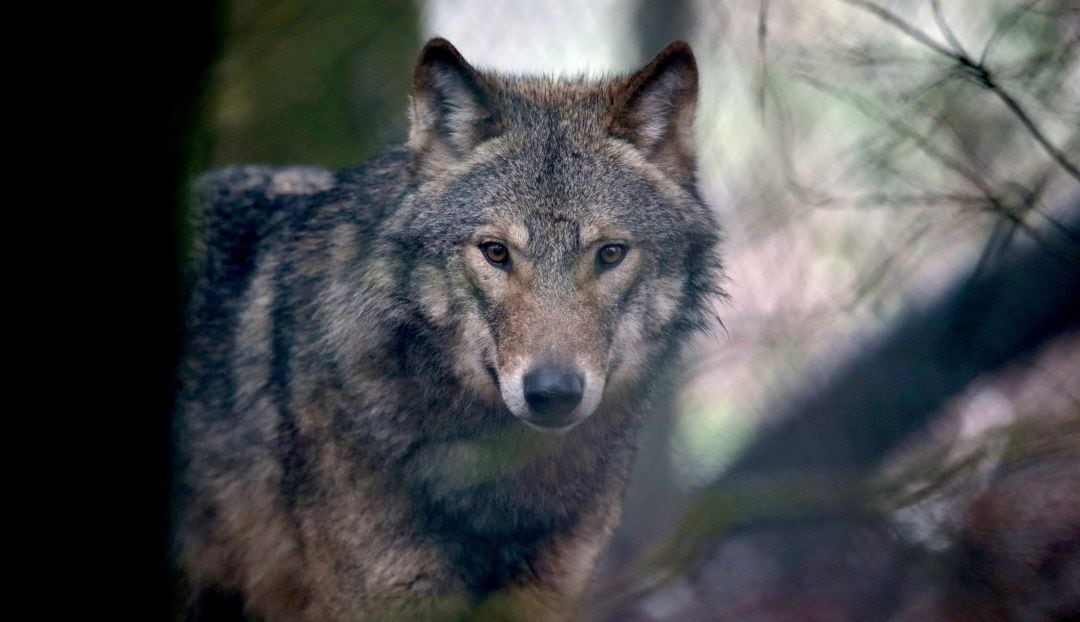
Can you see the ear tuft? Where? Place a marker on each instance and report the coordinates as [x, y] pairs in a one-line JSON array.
[[655, 107], [452, 109]]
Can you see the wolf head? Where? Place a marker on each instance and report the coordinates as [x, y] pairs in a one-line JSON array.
[[557, 228]]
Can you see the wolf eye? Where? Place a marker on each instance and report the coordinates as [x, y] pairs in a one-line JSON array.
[[610, 255], [496, 253]]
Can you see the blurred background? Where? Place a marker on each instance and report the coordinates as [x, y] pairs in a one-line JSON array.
[[887, 426]]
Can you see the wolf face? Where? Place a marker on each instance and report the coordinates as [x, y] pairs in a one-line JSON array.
[[378, 357], [559, 235]]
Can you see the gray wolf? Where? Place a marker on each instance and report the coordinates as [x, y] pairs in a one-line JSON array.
[[412, 389]]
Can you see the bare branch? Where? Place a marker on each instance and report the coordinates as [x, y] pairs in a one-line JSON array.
[[899, 126], [1035, 132], [943, 26], [1003, 27], [979, 73], [993, 202], [911, 31]]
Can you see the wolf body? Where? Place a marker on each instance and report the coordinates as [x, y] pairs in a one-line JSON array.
[[411, 389]]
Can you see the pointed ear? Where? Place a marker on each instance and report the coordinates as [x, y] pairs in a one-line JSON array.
[[452, 108], [654, 110]]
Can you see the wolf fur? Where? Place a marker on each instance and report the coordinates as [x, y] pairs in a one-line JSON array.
[[355, 442]]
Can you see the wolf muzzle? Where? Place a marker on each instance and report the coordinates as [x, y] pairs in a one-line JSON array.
[[552, 393]]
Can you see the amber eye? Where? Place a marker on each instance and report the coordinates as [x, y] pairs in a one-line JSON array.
[[610, 255], [496, 253]]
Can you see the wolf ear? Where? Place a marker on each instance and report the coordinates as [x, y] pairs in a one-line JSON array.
[[654, 110], [452, 109]]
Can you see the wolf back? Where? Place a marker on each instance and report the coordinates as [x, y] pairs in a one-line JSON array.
[[412, 389]]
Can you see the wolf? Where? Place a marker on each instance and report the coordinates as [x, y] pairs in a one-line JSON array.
[[412, 389]]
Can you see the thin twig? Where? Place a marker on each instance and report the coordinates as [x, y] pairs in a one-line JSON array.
[[979, 73], [943, 26], [1047, 146], [899, 126], [993, 202], [906, 28], [1003, 27]]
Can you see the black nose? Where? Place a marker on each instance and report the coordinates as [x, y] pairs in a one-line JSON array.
[[553, 391]]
